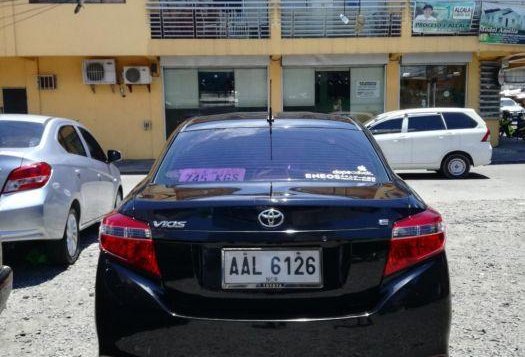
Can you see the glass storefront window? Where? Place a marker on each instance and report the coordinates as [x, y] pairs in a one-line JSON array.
[[191, 91], [327, 90], [216, 89], [433, 86]]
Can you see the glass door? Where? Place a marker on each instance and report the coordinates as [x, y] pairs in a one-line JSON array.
[[433, 86], [449, 86], [332, 91], [415, 90]]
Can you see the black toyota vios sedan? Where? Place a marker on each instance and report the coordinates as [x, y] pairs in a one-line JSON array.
[[283, 237]]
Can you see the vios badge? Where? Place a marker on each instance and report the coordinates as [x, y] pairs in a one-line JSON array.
[[169, 224], [271, 218]]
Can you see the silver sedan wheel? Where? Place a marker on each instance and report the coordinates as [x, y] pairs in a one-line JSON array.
[[72, 234], [118, 200], [457, 167]]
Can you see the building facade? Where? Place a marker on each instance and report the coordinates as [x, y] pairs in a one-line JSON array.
[[204, 57]]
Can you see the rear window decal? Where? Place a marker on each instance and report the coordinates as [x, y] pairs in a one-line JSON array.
[[208, 174], [361, 175]]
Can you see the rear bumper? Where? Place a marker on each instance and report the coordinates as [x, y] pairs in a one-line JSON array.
[[30, 215], [6, 284], [412, 319], [482, 155]]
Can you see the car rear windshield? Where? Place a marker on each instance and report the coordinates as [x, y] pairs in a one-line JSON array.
[[508, 102], [16, 134], [287, 154]]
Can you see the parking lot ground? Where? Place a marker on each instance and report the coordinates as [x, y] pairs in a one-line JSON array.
[[50, 312], [509, 151]]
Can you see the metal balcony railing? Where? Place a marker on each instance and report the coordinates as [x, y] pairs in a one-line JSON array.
[[173, 19], [341, 18]]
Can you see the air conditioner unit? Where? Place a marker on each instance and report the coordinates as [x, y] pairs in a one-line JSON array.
[[136, 75], [99, 71]]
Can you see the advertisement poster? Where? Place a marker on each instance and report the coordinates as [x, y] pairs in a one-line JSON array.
[[436, 17], [502, 22], [367, 89]]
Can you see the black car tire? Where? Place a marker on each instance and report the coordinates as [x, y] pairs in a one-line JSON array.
[[455, 166], [66, 250]]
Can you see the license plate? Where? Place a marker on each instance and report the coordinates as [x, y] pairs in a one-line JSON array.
[[258, 268]]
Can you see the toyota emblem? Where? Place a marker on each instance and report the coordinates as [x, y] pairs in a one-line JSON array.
[[271, 218]]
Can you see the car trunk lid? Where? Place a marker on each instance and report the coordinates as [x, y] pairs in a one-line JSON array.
[[350, 224]]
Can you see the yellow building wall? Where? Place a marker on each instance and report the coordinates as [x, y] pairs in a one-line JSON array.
[[123, 30], [115, 118], [54, 30], [49, 38]]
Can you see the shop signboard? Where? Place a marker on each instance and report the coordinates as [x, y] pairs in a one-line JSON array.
[[442, 17], [502, 22]]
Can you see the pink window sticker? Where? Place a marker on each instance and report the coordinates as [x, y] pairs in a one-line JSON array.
[[211, 175]]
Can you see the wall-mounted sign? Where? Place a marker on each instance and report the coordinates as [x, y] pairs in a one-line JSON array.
[[435, 17], [502, 22], [367, 89]]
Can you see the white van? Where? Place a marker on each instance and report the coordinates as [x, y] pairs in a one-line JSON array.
[[448, 140]]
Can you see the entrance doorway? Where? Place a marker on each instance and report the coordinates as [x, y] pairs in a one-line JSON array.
[[332, 91], [433, 86], [15, 100]]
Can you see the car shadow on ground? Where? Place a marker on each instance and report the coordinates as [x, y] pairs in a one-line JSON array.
[[437, 176], [30, 263]]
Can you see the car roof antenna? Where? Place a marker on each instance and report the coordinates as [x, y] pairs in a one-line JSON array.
[[270, 118]]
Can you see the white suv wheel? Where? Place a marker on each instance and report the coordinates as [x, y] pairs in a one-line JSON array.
[[456, 166]]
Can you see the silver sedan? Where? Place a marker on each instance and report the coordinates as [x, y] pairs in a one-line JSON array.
[[55, 180]]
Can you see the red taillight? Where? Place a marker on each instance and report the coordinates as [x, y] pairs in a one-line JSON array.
[[27, 177], [414, 239], [129, 240], [486, 137]]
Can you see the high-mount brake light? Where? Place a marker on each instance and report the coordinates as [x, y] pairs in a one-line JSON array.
[[415, 239], [129, 240]]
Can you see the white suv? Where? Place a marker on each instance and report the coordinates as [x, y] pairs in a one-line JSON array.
[[448, 140]]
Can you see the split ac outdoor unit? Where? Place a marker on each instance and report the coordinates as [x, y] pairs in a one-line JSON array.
[[99, 71], [136, 75]]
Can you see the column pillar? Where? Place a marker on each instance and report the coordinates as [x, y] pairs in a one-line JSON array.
[[392, 83], [275, 74]]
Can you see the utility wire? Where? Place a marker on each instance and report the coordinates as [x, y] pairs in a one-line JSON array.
[[12, 2], [15, 14], [7, 6], [42, 10]]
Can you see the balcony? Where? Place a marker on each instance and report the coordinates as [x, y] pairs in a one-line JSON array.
[[341, 18], [208, 19], [251, 19]]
